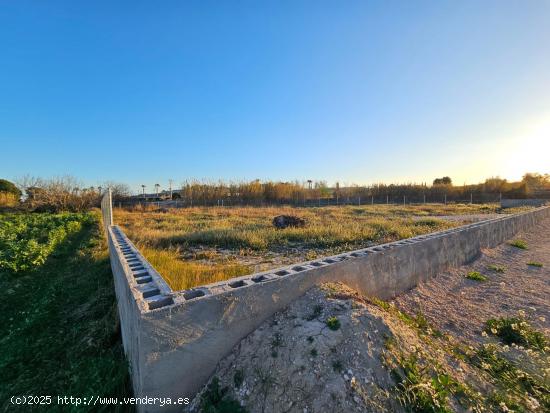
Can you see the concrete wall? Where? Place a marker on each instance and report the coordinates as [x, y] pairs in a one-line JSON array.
[[512, 203], [174, 339]]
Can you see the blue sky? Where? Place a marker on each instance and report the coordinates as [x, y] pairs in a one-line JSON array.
[[362, 92]]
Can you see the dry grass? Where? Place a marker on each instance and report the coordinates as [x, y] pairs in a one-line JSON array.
[[187, 274], [195, 246]]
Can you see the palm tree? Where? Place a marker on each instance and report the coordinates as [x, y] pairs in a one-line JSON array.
[[157, 186], [143, 190]]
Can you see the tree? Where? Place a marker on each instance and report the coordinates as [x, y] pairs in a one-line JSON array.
[[536, 182], [57, 194], [118, 190], [443, 181], [9, 187]]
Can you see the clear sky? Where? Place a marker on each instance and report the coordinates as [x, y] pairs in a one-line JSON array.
[[368, 91]]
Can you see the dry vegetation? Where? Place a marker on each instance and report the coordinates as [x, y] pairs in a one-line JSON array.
[[196, 246]]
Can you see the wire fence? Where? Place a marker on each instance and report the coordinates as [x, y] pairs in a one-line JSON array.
[[312, 202]]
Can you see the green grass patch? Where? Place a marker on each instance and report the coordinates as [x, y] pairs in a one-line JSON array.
[[516, 330], [476, 276], [535, 264], [59, 328], [496, 268], [518, 243]]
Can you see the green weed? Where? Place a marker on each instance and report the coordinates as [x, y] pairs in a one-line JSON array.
[[535, 264], [317, 310], [476, 276], [496, 268], [516, 330], [216, 400], [333, 323], [518, 243]]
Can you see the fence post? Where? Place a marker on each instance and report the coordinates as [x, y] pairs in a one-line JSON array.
[[445, 199], [110, 207]]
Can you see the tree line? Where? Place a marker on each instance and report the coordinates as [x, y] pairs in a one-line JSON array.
[[68, 194], [309, 192]]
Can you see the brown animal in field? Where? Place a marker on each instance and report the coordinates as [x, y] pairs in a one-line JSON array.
[[284, 221]]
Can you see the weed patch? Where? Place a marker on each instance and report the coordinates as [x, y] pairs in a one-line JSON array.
[[333, 323], [216, 400], [516, 330], [421, 391], [518, 243], [476, 276], [496, 268], [515, 388], [535, 264]]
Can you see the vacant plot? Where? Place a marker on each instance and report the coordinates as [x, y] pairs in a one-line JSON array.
[[196, 246], [59, 330]]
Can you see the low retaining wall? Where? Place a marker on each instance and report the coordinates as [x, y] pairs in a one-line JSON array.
[[174, 339], [512, 203]]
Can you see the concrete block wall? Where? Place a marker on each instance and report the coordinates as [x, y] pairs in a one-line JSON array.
[[512, 203], [174, 339]]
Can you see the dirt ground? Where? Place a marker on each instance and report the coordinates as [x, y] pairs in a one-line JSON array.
[[425, 351], [459, 305]]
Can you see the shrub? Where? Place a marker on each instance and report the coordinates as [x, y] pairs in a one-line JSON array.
[[496, 268], [7, 199], [10, 188]]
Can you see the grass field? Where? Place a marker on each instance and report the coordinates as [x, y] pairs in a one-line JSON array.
[[196, 246], [59, 330]]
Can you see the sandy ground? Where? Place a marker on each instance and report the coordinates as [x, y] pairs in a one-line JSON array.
[[296, 363], [459, 305]]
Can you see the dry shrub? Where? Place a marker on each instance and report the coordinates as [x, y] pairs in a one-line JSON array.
[[7, 199]]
